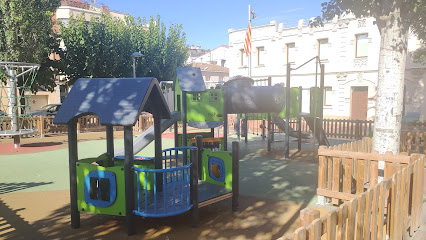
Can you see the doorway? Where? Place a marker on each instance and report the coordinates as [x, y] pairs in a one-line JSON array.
[[359, 103]]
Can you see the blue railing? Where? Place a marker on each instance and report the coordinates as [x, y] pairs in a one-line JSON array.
[[165, 192]]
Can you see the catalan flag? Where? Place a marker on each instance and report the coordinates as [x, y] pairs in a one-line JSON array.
[[247, 44]]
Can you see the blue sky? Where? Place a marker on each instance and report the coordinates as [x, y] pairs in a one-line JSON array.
[[206, 23]]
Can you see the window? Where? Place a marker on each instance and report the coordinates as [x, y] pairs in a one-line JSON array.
[[222, 62], [290, 53], [328, 96], [323, 49], [361, 45], [260, 56], [196, 97], [242, 58], [214, 97]]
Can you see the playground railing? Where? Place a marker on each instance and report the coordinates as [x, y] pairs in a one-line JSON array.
[[167, 191], [346, 128], [388, 209]]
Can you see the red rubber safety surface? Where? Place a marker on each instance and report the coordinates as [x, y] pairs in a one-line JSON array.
[[9, 148]]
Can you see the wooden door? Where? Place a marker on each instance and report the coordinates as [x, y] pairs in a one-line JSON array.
[[359, 103]]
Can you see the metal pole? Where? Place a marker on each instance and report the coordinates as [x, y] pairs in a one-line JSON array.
[[287, 113], [321, 102], [13, 107], [194, 186], [158, 150], [299, 120], [270, 132], [176, 134], [246, 128], [134, 67], [73, 159], [110, 140], [249, 59], [184, 120], [225, 121], [199, 144], [129, 182], [235, 176]]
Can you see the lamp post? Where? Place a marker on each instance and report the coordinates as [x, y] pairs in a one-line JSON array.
[[134, 56]]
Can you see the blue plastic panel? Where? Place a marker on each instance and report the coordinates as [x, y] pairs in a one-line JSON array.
[[100, 174], [221, 166]]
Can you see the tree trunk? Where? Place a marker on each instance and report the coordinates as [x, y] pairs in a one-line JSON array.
[[390, 85]]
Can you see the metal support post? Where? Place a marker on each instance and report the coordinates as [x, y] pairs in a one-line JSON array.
[[194, 186], [73, 159], [129, 180], [287, 113], [235, 176]]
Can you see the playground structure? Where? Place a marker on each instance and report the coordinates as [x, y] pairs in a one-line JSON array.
[[172, 182], [15, 103], [292, 109]]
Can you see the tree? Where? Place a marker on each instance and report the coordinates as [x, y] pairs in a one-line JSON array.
[[393, 19], [26, 35], [103, 48], [419, 56]]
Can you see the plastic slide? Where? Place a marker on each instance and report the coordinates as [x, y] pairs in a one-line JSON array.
[[148, 136], [311, 121], [281, 124]]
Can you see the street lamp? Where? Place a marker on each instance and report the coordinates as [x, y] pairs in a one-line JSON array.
[[134, 56]]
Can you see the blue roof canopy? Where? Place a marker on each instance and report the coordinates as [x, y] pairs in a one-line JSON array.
[[190, 79], [116, 101]]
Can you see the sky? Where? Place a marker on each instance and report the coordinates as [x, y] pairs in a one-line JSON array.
[[206, 23]]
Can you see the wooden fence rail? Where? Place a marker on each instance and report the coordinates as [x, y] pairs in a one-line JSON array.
[[88, 123], [388, 210]]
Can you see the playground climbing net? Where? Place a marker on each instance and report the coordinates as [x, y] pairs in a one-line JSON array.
[[16, 79]]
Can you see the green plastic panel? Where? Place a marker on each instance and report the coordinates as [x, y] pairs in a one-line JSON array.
[[315, 102], [294, 104], [227, 159], [118, 208], [201, 107], [205, 106]]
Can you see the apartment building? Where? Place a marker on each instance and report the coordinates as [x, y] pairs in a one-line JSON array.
[[349, 49]]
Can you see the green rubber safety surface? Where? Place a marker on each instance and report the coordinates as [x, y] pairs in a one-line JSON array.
[[260, 176], [43, 171]]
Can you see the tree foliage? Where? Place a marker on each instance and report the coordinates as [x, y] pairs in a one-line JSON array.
[[412, 12], [26, 35], [103, 48]]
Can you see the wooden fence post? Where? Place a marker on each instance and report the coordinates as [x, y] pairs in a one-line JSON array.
[[41, 126], [307, 216], [78, 125]]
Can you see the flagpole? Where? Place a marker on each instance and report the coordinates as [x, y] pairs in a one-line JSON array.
[[249, 56]]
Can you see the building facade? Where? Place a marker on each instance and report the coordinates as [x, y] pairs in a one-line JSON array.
[[348, 48], [217, 56], [212, 74]]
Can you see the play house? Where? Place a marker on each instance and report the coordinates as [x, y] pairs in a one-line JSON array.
[[172, 182]]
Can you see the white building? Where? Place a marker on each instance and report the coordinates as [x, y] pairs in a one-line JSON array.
[[212, 74], [348, 47], [217, 56]]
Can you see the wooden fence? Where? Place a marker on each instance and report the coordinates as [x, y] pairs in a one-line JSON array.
[[349, 129], [413, 142], [391, 208], [89, 123]]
